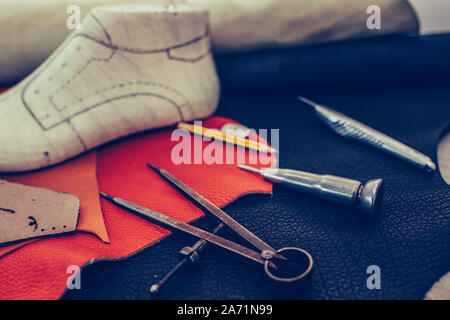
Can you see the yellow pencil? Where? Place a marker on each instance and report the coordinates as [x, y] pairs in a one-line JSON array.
[[228, 138]]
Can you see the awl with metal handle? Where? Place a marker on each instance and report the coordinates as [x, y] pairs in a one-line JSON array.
[[367, 197], [352, 129]]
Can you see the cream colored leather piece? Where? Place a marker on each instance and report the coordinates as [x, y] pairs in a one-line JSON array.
[[31, 32], [433, 15], [29, 212], [440, 290], [444, 157]]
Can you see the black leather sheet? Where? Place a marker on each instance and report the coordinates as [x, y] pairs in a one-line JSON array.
[[410, 241], [376, 62]]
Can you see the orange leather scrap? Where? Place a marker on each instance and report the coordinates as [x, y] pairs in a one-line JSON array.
[[78, 177], [38, 270]]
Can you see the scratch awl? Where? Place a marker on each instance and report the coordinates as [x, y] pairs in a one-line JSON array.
[[352, 129]]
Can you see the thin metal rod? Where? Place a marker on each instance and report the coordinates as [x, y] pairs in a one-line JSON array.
[[248, 168], [307, 101], [209, 207], [197, 248], [187, 228], [156, 288]]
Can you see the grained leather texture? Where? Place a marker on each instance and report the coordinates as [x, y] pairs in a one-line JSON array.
[[78, 177], [409, 241], [41, 269], [82, 182]]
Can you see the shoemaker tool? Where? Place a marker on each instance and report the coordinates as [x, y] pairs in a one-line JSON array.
[[190, 257], [266, 255], [367, 197], [352, 129]]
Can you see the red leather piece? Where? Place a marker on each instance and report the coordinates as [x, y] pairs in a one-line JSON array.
[[38, 270]]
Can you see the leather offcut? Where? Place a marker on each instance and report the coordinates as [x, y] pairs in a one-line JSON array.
[[122, 171], [29, 212]]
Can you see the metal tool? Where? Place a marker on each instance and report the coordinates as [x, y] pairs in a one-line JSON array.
[[190, 257], [345, 191], [352, 129], [190, 254], [266, 255]]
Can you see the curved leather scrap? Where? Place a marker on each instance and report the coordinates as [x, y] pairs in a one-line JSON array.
[[440, 290], [30, 212], [38, 271], [77, 176]]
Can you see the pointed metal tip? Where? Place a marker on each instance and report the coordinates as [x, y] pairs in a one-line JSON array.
[[430, 166], [104, 195], [153, 167], [154, 289], [244, 167], [281, 257], [267, 149], [307, 101]]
